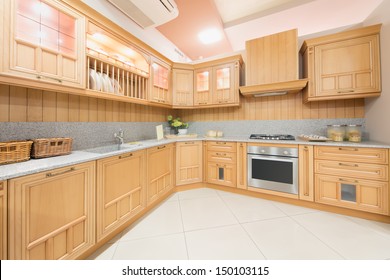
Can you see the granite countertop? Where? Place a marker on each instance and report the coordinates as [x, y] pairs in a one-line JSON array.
[[32, 166]]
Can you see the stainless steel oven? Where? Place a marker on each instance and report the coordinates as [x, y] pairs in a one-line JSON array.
[[273, 168]]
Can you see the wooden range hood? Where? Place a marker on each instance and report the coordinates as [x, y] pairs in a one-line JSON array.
[[272, 66]]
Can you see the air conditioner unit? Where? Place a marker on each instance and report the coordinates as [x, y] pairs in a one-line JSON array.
[[148, 13]]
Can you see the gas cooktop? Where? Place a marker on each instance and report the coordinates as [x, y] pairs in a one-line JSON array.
[[272, 137]]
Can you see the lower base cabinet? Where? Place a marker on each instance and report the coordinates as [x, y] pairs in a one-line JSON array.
[[120, 191], [222, 163], [3, 220], [365, 195], [52, 214], [160, 171]]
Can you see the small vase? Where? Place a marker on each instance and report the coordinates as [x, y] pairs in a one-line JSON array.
[[183, 131]]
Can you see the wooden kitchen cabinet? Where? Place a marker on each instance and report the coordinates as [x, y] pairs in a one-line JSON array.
[[306, 172], [355, 178], [44, 42], [365, 195], [52, 214], [242, 171], [343, 65], [159, 171], [222, 163], [160, 91], [3, 220], [189, 162], [225, 83], [183, 88], [202, 86], [217, 82], [120, 190]]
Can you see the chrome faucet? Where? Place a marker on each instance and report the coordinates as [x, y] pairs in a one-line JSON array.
[[119, 136]]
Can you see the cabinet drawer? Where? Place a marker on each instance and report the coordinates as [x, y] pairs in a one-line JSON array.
[[368, 155], [221, 146], [354, 170], [364, 195], [221, 157]]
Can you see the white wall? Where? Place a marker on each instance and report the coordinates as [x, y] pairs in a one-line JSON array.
[[378, 109]]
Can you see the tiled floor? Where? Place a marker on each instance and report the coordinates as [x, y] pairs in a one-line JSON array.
[[209, 224]]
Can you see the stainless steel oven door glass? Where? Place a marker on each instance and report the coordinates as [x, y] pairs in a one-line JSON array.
[[273, 168]]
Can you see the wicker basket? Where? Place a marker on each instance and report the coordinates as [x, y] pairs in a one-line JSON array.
[[50, 147], [14, 151]]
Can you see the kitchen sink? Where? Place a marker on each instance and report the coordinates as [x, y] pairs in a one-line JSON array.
[[112, 148]]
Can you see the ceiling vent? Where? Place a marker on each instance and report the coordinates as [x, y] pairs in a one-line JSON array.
[[148, 13]]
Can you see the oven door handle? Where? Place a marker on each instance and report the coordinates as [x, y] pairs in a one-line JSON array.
[[273, 158]]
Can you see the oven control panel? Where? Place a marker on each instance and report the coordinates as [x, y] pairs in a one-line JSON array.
[[273, 151]]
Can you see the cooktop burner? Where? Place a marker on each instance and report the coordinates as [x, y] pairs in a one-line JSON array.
[[272, 137]]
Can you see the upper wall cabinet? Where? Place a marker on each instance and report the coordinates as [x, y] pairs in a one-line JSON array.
[[114, 66], [43, 41], [217, 82], [160, 91], [183, 87], [343, 65]]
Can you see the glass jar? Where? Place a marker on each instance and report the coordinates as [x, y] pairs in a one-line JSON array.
[[354, 132], [336, 132]]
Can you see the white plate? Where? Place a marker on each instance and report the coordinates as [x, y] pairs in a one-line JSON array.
[[107, 83], [98, 81], [92, 79], [117, 87]]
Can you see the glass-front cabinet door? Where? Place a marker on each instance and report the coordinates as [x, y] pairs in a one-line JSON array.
[[160, 91], [224, 84], [202, 95], [45, 42]]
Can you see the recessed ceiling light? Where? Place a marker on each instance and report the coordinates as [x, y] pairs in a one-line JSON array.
[[210, 36]]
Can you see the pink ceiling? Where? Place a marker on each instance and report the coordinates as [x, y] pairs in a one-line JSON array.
[[194, 17]]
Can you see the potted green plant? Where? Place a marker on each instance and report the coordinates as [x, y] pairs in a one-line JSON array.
[[178, 125]]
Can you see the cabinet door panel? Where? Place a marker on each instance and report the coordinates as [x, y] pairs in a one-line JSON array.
[[189, 162], [221, 174], [347, 67], [3, 220], [365, 195], [52, 214], [121, 181], [160, 171]]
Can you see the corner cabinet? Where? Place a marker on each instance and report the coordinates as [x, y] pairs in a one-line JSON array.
[[52, 214], [183, 88], [189, 162], [43, 40], [120, 191], [354, 178], [160, 171], [343, 65], [3, 220]]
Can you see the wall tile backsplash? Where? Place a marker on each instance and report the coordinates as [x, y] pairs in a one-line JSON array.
[[94, 134]]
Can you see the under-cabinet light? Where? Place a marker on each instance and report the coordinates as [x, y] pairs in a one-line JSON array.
[[270, 94]]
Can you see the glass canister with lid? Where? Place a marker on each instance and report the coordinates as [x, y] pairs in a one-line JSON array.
[[336, 132], [353, 132]]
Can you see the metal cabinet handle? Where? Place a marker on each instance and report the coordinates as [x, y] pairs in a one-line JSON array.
[[161, 147], [348, 165], [42, 77], [188, 143], [126, 156], [348, 149], [221, 143], [60, 173], [345, 91], [348, 181]]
